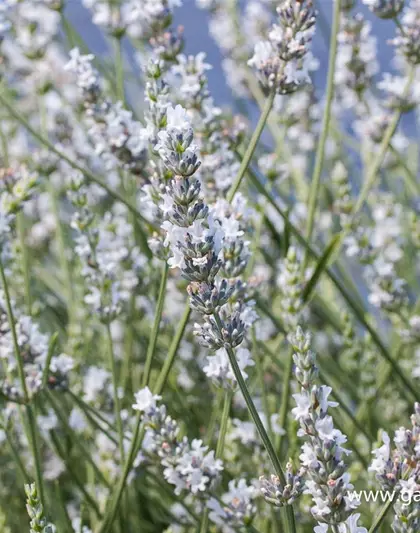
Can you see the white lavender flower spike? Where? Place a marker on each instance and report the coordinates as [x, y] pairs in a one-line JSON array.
[[283, 61]]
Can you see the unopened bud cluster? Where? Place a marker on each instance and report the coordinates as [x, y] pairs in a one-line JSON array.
[[39, 523], [279, 494]]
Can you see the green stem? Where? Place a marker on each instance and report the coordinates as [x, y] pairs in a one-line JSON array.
[[33, 443], [74, 473], [156, 324], [64, 515], [35, 452], [12, 325], [92, 415], [219, 447], [62, 255], [128, 344], [51, 348], [224, 424], [117, 405], [399, 25], [285, 398], [383, 379], [411, 179], [252, 146], [211, 426], [380, 156], [119, 69], [170, 358], [77, 441], [16, 456], [319, 158], [381, 516], [260, 373], [115, 502], [258, 423], [68, 32], [20, 223]]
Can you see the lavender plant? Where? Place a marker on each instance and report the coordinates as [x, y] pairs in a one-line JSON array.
[[170, 263]]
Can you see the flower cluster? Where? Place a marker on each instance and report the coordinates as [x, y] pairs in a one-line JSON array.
[[16, 188], [218, 367], [283, 61], [279, 494], [291, 290], [356, 60], [395, 468], [386, 9], [203, 241], [236, 507], [139, 18], [398, 469], [407, 39], [33, 349], [117, 137], [189, 466], [110, 259], [35, 26], [322, 454]]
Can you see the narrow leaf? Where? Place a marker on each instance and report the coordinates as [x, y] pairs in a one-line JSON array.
[[320, 268]]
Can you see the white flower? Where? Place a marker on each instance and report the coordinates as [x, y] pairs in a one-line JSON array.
[[145, 400], [244, 432], [326, 430], [62, 364], [382, 455], [321, 507], [263, 53], [321, 528], [308, 456], [218, 366], [304, 404], [194, 469], [177, 117], [323, 393], [350, 525], [409, 488], [238, 505]]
